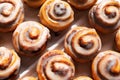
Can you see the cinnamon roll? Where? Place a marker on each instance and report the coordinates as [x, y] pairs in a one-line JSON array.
[[28, 78], [82, 4], [11, 14], [34, 3], [30, 38], [55, 65], [56, 15], [9, 64], [105, 16], [117, 40], [82, 43], [106, 66], [83, 78]]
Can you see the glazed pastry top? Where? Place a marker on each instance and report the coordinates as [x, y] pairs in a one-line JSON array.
[[106, 66], [30, 37], [54, 65], [82, 43], [56, 15], [9, 63], [105, 16], [11, 14]]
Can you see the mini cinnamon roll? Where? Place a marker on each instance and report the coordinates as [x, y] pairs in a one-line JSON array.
[[117, 40], [82, 43], [11, 14], [55, 65], [28, 78], [9, 63], [30, 38], [34, 3], [56, 15], [105, 16], [82, 4], [83, 78], [106, 66]]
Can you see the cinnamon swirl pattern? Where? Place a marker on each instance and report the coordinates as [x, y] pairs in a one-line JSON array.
[[9, 63], [105, 16], [106, 66], [11, 14], [82, 43], [82, 4], [55, 64], [56, 15], [34, 3], [30, 38], [83, 78]]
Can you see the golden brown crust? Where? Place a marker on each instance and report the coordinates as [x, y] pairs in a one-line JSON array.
[[34, 3], [56, 15], [117, 40], [28, 78], [82, 4], [106, 66], [12, 14], [82, 43], [83, 78], [55, 64], [9, 63], [30, 38], [105, 16]]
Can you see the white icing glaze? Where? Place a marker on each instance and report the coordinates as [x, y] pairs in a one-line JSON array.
[[13, 67]]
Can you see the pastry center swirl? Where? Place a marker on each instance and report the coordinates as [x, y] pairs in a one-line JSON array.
[[86, 42], [110, 11], [59, 9], [115, 67], [6, 9], [109, 67], [60, 69], [5, 59], [34, 33]]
